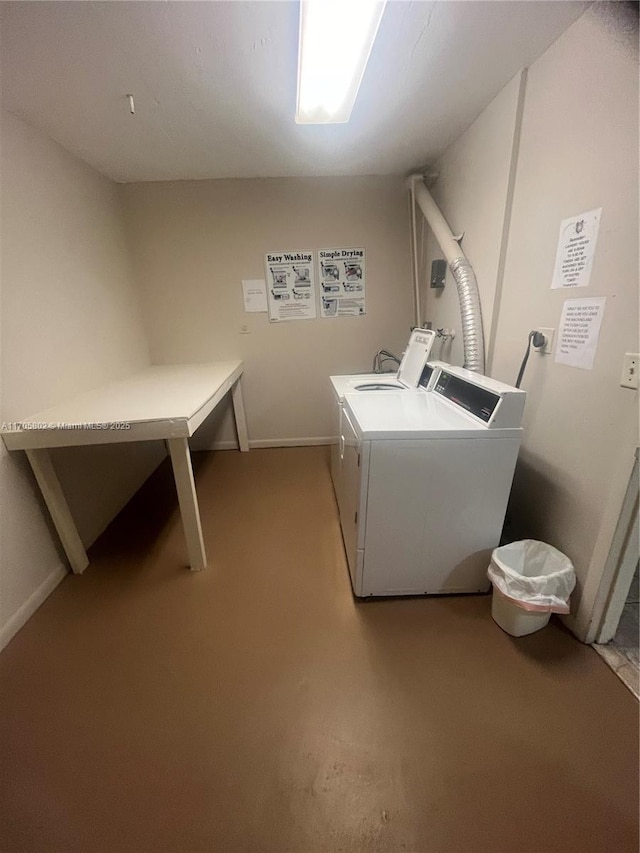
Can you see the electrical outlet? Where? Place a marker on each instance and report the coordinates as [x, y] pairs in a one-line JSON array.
[[244, 329], [630, 363], [549, 334]]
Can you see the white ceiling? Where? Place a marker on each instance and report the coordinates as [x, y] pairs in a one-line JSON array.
[[215, 83]]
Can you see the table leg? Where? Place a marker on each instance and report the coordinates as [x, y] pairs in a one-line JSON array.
[[55, 500], [188, 500], [238, 411]]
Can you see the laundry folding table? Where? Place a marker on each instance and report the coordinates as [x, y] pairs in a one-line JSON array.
[[161, 402]]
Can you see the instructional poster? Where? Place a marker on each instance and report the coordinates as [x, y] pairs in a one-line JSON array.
[[291, 289], [579, 330], [342, 282], [576, 248]]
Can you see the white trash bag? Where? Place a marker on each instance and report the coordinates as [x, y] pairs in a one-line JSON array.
[[533, 575]]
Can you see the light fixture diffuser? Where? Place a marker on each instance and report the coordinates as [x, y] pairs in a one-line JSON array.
[[336, 37]]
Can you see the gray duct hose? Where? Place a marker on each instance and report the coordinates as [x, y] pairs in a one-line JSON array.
[[470, 313], [462, 271]]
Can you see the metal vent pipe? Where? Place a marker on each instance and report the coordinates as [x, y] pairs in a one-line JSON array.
[[462, 271]]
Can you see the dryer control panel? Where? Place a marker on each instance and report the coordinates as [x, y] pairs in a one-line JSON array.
[[491, 402]]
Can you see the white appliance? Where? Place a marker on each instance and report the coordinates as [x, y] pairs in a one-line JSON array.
[[407, 377], [366, 383], [412, 371], [422, 483], [372, 383]]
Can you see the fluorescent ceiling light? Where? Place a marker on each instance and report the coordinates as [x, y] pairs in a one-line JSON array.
[[336, 37]]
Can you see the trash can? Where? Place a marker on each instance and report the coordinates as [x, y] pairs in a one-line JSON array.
[[531, 580]]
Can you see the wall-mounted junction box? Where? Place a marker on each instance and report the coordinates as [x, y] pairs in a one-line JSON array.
[[438, 273]]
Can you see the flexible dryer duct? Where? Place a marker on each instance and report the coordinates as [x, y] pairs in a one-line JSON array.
[[462, 271]]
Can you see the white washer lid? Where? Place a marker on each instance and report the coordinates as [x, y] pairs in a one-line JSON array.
[[414, 416], [415, 357]]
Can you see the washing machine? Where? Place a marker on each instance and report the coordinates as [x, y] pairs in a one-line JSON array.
[[424, 483], [407, 378], [366, 383], [414, 373], [371, 383]]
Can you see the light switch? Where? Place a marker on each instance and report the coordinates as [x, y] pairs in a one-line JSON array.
[[629, 378]]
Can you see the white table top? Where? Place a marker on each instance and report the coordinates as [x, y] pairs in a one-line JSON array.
[[162, 401]]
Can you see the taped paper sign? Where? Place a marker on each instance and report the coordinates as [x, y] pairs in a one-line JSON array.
[[579, 330], [576, 248], [342, 281], [254, 293], [291, 287]]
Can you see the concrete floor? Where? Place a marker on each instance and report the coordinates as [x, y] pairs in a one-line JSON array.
[[257, 707]]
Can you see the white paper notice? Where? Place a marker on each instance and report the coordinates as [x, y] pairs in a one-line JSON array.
[[576, 248], [254, 292], [579, 330], [291, 285], [342, 279]]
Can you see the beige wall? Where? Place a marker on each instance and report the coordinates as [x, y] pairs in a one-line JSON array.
[[473, 189], [193, 243], [70, 321], [578, 151]]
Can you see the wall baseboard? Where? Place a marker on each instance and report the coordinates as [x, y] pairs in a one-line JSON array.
[[8, 631], [273, 442], [293, 442]]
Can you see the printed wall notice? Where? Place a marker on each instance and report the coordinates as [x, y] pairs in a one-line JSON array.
[[576, 248], [342, 281], [291, 289], [254, 293], [579, 331]]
